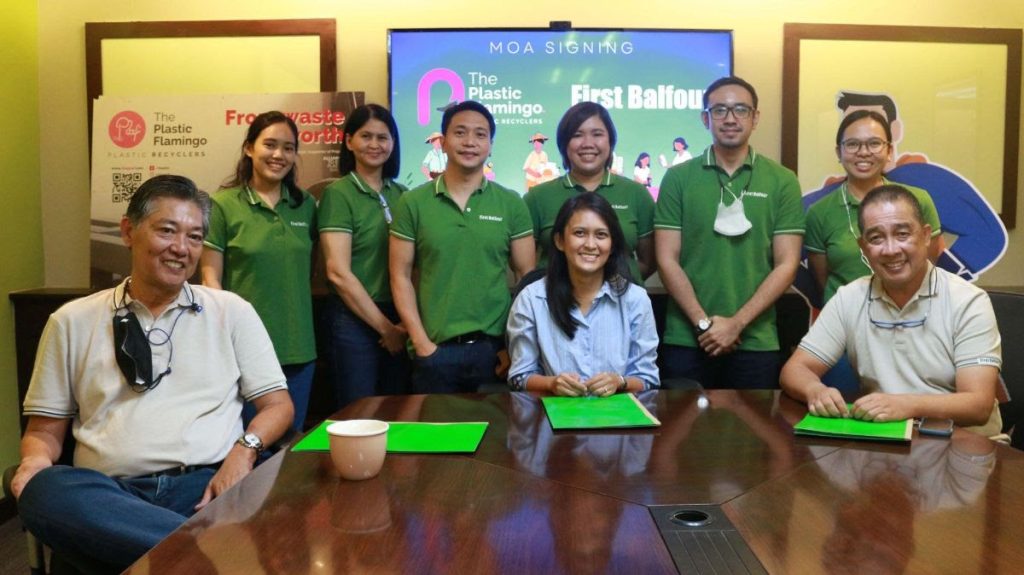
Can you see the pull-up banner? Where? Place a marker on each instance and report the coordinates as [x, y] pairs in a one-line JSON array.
[[137, 137]]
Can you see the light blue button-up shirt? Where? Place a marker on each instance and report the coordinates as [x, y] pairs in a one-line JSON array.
[[617, 335]]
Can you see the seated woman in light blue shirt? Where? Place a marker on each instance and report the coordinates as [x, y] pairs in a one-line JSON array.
[[584, 329]]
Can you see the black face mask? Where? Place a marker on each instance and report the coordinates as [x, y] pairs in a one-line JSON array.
[[133, 353]]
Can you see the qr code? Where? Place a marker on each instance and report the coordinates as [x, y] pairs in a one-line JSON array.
[[123, 185]]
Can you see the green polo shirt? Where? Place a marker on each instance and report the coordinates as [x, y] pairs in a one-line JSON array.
[[726, 271], [267, 256], [631, 201], [832, 230], [462, 256], [352, 207]]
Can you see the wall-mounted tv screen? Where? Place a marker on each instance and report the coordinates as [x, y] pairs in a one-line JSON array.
[[651, 81]]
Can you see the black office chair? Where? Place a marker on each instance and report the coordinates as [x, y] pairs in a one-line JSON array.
[[1009, 308]]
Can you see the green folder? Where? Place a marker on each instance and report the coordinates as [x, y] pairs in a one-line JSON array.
[[411, 437], [615, 411], [849, 428]]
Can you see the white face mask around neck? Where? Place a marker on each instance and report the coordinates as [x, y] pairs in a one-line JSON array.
[[731, 220]]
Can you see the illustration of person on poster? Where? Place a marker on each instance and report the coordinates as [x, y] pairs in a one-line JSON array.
[[536, 166], [980, 239], [642, 169], [682, 153], [435, 160]]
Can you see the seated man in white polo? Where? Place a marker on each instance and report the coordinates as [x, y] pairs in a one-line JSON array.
[[154, 444], [923, 342]]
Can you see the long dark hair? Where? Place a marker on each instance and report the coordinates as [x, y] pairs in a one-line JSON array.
[[243, 171], [616, 269], [356, 120]]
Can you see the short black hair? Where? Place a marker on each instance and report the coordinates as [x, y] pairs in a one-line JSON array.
[[571, 121], [471, 106], [167, 186], [890, 194], [847, 99], [356, 120], [730, 81]]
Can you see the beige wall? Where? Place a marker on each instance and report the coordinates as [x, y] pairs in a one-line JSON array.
[[363, 66]]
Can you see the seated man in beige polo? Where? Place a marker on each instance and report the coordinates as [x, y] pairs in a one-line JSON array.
[[924, 343], [153, 445]]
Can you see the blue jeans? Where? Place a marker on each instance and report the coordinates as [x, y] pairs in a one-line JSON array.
[[456, 367], [300, 382], [737, 370], [102, 524], [359, 366]]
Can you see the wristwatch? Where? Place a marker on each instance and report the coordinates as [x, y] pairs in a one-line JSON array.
[[703, 325], [252, 441]]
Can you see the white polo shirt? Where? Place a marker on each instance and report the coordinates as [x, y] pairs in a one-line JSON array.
[[959, 330], [221, 355]]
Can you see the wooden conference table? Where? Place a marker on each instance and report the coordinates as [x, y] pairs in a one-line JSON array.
[[533, 501]]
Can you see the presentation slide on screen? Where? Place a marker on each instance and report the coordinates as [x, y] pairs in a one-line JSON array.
[[137, 137], [652, 82]]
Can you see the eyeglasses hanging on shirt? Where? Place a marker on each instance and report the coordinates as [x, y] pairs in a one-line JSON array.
[[907, 323], [384, 206]]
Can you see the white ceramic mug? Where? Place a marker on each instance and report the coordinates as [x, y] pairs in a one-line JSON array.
[[358, 447]]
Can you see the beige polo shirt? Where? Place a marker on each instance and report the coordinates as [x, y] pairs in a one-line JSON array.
[[959, 330], [219, 353]]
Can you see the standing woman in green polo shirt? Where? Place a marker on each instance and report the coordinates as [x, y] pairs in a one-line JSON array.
[[366, 340], [586, 139], [864, 148], [262, 229]]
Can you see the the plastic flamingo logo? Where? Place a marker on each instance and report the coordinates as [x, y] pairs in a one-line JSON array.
[[423, 107]]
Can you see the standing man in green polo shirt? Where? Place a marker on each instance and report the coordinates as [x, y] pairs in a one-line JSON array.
[[460, 232], [728, 231]]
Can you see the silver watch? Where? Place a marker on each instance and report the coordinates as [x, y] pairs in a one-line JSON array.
[[703, 325], [252, 441]]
